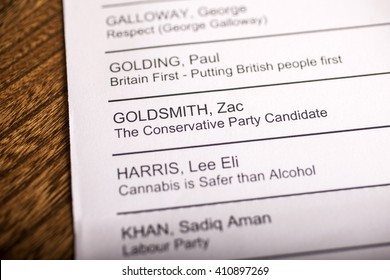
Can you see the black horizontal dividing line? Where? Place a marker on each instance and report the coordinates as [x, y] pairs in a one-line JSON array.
[[250, 140], [252, 37], [138, 3], [323, 251], [249, 199], [249, 87]]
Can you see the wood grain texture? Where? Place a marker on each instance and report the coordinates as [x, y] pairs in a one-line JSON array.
[[35, 201]]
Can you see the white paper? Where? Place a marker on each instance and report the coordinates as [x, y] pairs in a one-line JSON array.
[[229, 129]]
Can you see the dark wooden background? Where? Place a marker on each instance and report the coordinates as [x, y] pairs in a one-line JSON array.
[[35, 201]]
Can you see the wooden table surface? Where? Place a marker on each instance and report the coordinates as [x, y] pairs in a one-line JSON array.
[[35, 201]]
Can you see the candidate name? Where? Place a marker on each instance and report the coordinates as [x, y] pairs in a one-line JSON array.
[[146, 17], [161, 113]]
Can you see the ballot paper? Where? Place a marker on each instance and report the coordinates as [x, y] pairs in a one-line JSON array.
[[224, 129]]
